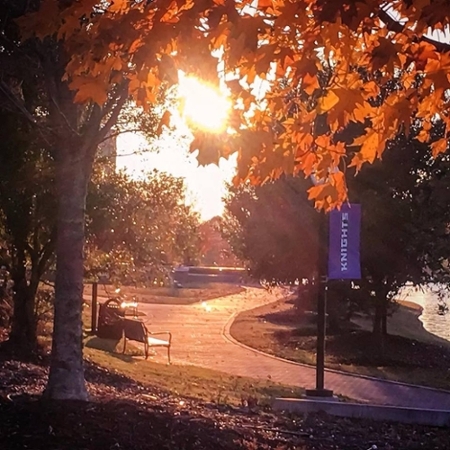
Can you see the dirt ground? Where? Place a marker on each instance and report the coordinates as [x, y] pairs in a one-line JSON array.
[[123, 414]]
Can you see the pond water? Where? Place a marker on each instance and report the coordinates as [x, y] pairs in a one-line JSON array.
[[438, 324]]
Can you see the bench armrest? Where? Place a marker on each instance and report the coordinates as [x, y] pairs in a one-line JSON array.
[[155, 333]]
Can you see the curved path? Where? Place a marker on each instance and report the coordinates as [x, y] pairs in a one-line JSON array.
[[200, 338]]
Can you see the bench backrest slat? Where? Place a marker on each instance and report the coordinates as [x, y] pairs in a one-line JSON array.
[[135, 330]]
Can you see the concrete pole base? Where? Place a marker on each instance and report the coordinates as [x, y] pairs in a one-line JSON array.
[[323, 393]]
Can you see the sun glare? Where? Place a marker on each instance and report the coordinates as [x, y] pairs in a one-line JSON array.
[[206, 185], [203, 105]]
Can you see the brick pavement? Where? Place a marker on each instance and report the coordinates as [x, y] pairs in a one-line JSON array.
[[200, 337]]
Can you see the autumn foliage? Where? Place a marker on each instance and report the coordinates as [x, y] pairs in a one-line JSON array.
[[301, 73]]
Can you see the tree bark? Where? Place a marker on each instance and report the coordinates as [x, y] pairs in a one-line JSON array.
[[378, 328], [23, 337], [377, 318], [380, 318], [384, 315], [66, 378]]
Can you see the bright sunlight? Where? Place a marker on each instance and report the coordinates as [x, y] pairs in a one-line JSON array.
[[202, 106]]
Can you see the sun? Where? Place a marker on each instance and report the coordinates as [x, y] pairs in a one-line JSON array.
[[202, 105]]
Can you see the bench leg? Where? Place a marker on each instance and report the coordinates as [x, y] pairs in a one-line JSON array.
[[146, 347], [168, 353], [124, 344]]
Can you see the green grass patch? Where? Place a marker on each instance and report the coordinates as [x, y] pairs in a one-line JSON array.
[[185, 380]]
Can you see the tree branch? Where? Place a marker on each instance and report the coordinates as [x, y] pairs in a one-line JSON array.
[[94, 136], [393, 25], [121, 99], [14, 101], [46, 252]]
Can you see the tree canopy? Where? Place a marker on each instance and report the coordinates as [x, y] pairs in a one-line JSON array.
[[273, 228], [138, 229], [299, 73]]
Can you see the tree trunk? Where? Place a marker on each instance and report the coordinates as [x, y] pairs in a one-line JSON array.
[[384, 316], [380, 321], [377, 331], [23, 335], [377, 318], [22, 338], [66, 378]]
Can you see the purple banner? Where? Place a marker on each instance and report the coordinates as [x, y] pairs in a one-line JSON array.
[[343, 251]]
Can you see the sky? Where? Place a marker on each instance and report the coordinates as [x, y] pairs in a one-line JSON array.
[[206, 186], [205, 107]]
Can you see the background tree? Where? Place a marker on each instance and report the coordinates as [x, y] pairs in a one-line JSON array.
[[215, 250], [274, 228], [404, 223], [138, 229], [27, 202]]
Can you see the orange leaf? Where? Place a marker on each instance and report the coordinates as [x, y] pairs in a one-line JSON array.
[[310, 83], [440, 146], [307, 163], [164, 122], [423, 136], [339, 182], [323, 141], [324, 195], [372, 145], [371, 89], [89, 89], [118, 5], [328, 102]]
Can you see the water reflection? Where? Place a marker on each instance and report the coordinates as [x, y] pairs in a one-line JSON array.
[[438, 324]]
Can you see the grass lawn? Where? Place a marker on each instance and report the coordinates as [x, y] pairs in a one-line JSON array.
[[184, 380], [411, 355], [173, 296]]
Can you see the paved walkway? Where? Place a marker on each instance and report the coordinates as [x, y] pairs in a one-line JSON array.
[[199, 338]]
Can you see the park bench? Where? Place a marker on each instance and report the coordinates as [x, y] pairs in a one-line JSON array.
[[135, 330]]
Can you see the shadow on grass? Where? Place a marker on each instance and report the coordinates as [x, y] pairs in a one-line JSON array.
[[287, 317], [107, 345], [113, 348], [355, 346]]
